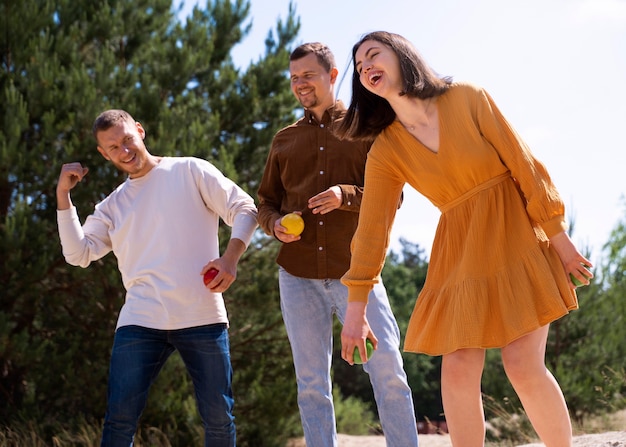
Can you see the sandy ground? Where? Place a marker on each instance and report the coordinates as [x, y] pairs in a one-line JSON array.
[[615, 438], [609, 439], [379, 441]]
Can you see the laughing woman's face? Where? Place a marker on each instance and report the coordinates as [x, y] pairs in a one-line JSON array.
[[378, 68]]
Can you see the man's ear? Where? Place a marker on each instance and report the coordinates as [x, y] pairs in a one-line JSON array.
[[141, 130], [334, 72], [103, 153]]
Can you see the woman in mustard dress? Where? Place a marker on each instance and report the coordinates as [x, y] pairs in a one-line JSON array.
[[501, 258]]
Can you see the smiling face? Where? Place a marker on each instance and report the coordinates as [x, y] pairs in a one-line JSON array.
[[312, 84], [122, 144], [378, 68]]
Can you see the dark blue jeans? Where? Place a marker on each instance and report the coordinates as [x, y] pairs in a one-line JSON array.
[[137, 357]]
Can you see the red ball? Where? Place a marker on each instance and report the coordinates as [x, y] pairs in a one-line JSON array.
[[210, 275]]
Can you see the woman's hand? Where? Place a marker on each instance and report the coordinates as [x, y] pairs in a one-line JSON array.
[[574, 263], [355, 331]]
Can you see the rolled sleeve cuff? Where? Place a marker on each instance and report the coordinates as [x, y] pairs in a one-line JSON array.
[[357, 290], [243, 227], [554, 226], [351, 200], [67, 215]]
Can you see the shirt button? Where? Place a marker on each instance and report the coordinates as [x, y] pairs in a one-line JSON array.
[[321, 172], [321, 222], [321, 148], [322, 125], [349, 203], [320, 248]]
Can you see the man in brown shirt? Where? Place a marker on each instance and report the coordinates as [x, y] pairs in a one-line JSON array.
[[310, 171]]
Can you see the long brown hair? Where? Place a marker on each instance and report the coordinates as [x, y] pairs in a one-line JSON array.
[[368, 114]]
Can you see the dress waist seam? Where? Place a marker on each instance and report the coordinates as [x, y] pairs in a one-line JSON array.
[[483, 186]]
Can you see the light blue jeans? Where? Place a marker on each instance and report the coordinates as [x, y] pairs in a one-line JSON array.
[[308, 306]]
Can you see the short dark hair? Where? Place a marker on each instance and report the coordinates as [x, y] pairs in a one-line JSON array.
[[110, 118], [324, 56], [368, 113]]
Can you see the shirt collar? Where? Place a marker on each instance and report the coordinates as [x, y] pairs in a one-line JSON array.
[[329, 115]]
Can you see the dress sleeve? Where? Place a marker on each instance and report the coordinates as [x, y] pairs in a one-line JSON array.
[[381, 194], [543, 202]]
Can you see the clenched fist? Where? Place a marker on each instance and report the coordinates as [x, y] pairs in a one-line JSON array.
[[71, 174]]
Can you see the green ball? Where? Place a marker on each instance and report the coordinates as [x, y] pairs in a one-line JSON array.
[[369, 346], [575, 280]]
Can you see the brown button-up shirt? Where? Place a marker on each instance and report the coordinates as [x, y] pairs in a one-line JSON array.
[[304, 160]]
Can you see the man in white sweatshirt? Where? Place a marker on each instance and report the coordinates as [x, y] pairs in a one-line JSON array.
[[162, 226]]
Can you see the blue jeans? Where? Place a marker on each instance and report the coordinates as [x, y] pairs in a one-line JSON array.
[[138, 355], [308, 306]]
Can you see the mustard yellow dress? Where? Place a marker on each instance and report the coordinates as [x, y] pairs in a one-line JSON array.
[[493, 276]]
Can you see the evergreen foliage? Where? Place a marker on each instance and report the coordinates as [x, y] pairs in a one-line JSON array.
[[64, 62]]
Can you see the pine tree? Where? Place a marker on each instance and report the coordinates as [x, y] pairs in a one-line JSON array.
[[63, 62]]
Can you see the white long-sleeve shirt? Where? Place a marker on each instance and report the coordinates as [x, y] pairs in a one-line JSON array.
[[163, 228]]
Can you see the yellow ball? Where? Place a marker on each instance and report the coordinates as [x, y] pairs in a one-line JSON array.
[[293, 223]]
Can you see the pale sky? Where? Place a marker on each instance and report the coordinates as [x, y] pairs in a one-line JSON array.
[[556, 69]]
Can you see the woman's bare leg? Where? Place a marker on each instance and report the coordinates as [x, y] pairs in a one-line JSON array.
[[461, 373], [540, 394]]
